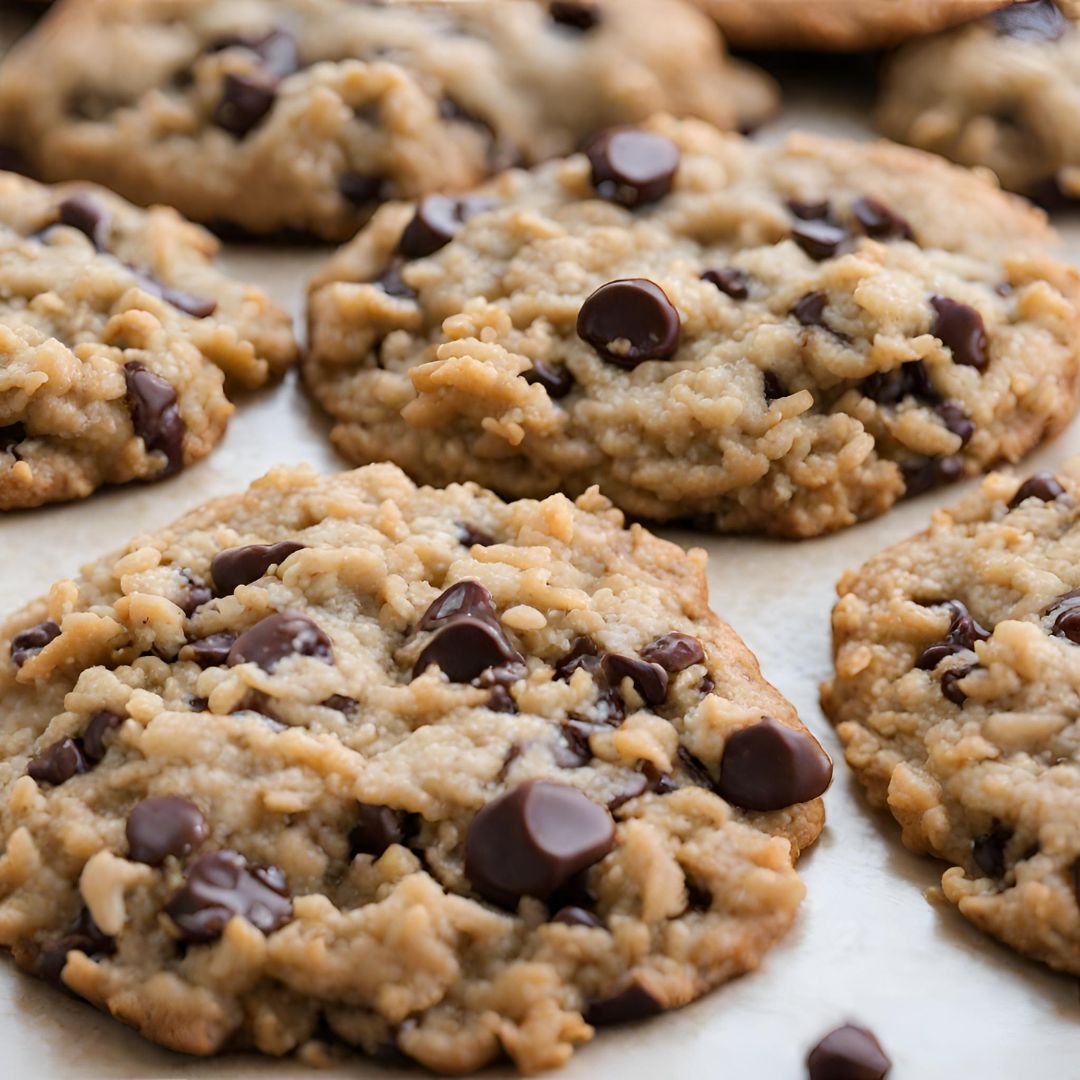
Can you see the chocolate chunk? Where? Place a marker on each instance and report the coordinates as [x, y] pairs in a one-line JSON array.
[[470, 535], [632, 1003], [11, 436], [83, 212], [342, 704], [164, 825], [729, 280], [207, 652], [393, 284], [807, 210], [575, 14], [576, 916], [961, 329], [58, 762], [1067, 611], [879, 221], [810, 309], [463, 598], [464, 646], [819, 239], [772, 387], [557, 381], [583, 653], [533, 839], [636, 785], [362, 190], [437, 220], [31, 641], [83, 935], [221, 885], [193, 594], [631, 167], [957, 420], [848, 1053], [1043, 485], [924, 474], [630, 321], [650, 680], [768, 766], [1035, 20], [245, 101], [93, 737], [376, 829], [988, 850], [891, 387], [286, 633], [155, 415], [674, 652], [242, 565]]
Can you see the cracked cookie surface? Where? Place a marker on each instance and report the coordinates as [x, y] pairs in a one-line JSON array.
[[955, 694], [781, 339]]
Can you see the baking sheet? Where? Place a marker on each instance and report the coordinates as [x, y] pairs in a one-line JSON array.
[[943, 998]]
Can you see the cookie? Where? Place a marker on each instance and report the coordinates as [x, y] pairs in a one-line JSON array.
[[444, 776], [837, 24], [279, 115], [997, 93], [117, 338], [782, 339], [957, 670]]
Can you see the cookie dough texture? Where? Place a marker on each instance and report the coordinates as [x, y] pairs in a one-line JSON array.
[[117, 338], [988, 95], [315, 763], [278, 115], [808, 389], [837, 24], [971, 740]]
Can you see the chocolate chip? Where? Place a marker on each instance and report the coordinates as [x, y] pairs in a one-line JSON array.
[[950, 678], [164, 825], [631, 167], [819, 239], [58, 762], [155, 416], [572, 750], [957, 420], [891, 387], [988, 850], [1035, 20], [221, 885], [926, 473], [393, 284], [286, 633], [807, 210], [499, 680], [193, 594], [278, 52], [342, 704], [650, 680], [575, 14], [659, 782], [83, 935], [848, 1053], [772, 387], [584, 653], [630, 321], [1043, 485], [376, 829], [83, 212], [879, 221], [768, 766], [11, 436], [576, 916], [245, 101], [464, 646], [198, 307], [694, 767], [810, 309], [1067, 611], [207, 652], [557, 381], [93, 737], [471, 535], [632, 1003], [961, 329], [437, 220], [964, 630], [707, 685], [636, 785], [466, 597], [242, 565], [728, 280], [362, 190], [31, 641], [674, 652], [533, 839]]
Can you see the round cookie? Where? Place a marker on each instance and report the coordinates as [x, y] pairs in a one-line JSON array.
[[477, 777], [854, 25], [281, 115], [782, 339], [999, 93], [957, 671], [117, 337]]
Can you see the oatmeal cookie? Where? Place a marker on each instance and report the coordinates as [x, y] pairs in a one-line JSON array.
[[784, 339], [957, 670], [304, 115], [442, 775], [117, 338]]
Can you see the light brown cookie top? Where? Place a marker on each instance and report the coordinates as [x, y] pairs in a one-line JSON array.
[[117, 337], [957, 672], [439, 774], [306, 114], [782, 339]]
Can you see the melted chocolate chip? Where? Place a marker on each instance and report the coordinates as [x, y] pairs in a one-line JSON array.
[[534, 839], [83, 212], [950, 678], [1066, 610], [961, 329], [557, 381], [964, 630], [807, 210], [772, 387], [848, 1053], [207, 652], [245, 102], [650, 680], [31, 641], [463, 598], [471, 535], [728, 280], [164, 825], [198, 307], [988, 850], [584, 653], [1035, 20], [674, 652], [879, 221], [499, 680], [11, 436], [891, 387], [193, 594], [819, 239], [58, 762], [630, 321], [155, 416], [659, 783], [286, 633], [572, 749], [768, 766], [925, 474], [463, 646], [574, 14], [957, 420], [1044, 486], [437, 220], [632, 1003], [83, 935], [576, 916], [377, 828], [696, 772], [347, 706], [393, 284], [242, 565], [221, 885], [93, 737], [631, 167], [809, 310], [636, 785], [363, 190]]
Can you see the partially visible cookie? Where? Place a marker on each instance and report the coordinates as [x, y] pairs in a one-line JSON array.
[[443, 776], [956, 695], [782, 339], [304, 115], [1000, 93], [117, 337]]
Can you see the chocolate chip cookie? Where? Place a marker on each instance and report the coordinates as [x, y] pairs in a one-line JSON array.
[[304, 115], [443, 776], [999, 93], [784, 339], [957, 667], [117, 338]]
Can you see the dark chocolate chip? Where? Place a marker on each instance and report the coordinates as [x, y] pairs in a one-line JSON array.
[[636, 785], [164, 825], [1066, 610], [950, 678], [961, 329], [31, 641], [193, 594], [221, 885], [574, 14], [1035, 20], [93, 737], [242, 565], [660, 783], [806, 210], [155, 415], [342, 704], [572, 750], [207, 652], [988, 850], [848, 1053], [464, 646], [245, 101], [632, 1003], [957, 420], [707, 684], [470, 535], [11, 436], [83, 212], [810, 309], [198, 307], [286, 633], [819, 239], [891, 387], [768, 766], [674, 652], [362, 190], [630, 321], [772, 387], [728, 280], [695, 769], [576, 916], [58, 762], [1043, 485], [557, 381], [533, 839], [377, 828], [879, 221], [463, 598], [632, 167], [650, 680], [963, 632], [584, 653], [437, 220], [927, 473], [83, 935], [393, 284]]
